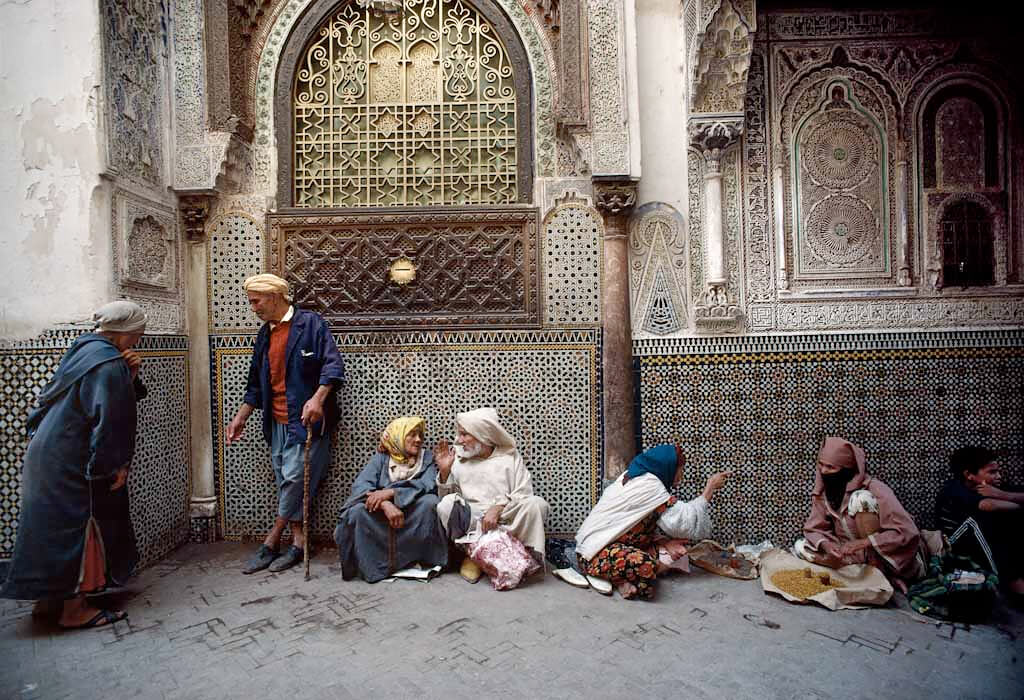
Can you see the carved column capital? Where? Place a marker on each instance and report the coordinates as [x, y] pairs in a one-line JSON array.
[[712, 136], [614, 197], [194, 209]]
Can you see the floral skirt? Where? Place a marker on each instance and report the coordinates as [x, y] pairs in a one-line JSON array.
[[628, 559]]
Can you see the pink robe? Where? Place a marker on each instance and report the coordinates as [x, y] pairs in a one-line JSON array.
[[893, 548]]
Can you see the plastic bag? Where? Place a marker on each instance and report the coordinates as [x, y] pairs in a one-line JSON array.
[[503, 558]]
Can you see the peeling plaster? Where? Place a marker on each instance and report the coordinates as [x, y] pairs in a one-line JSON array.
[[56, 263]]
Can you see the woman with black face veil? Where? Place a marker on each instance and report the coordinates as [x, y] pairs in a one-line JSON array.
[[857, 519]]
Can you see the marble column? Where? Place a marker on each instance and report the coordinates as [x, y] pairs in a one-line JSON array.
[[203, 502], [615, 198], [778, 173], [903, 278], [716, 312]]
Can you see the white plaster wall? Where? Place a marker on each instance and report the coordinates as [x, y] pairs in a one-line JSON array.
[[659, 49], [54, 213]]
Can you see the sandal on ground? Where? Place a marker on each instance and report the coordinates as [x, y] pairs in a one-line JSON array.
[[600, 585], [100, 619], [571, 576]]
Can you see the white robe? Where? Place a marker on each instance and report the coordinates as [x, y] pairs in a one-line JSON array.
[[624, 505], [501, 479]]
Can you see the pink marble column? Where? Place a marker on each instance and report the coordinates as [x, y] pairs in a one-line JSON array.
[[615, 199]]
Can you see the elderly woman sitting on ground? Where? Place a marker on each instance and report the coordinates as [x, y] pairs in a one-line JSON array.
[[857, 519], [620, 539], [390, 523]]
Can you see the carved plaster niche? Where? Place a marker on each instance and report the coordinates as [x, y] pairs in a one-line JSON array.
[[719, 51], [147, 255], [658, 271]]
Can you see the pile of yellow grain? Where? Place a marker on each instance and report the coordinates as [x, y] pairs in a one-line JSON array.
[[803, 583]]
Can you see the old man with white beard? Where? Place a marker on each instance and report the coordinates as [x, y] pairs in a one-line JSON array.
[[484, 479]]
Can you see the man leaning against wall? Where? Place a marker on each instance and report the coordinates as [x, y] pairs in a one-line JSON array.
[[293, 378]]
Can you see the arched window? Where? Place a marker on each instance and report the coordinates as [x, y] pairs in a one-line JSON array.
[[966, 239], [416, 107]]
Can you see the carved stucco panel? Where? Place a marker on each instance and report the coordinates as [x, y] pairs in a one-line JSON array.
[[192, 164], [721, 63], [759, 248], [607, 90], [134, 59], [918, 313], [541, 68], [658, 271]]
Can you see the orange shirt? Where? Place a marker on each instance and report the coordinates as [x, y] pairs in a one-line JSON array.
[[276, 354]]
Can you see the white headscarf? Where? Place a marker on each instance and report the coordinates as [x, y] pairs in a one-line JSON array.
[[484, 425], [121, 316]]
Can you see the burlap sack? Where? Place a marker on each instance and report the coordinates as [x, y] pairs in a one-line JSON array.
[[863, 585]]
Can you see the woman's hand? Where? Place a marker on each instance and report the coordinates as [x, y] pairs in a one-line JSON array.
[[119, 479], [714, 483], [396, 519], [444, 457], [848, 549], [674, 548], [376, 499]]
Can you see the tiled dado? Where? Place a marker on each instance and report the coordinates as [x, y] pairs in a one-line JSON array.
[[545, 385], [762, 405], [159, 478]]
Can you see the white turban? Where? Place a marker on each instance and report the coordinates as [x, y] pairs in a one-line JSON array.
[[267, 283], [120, 316], [483, 424]]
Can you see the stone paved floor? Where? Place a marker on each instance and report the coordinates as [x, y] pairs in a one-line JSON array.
[[199, 629]]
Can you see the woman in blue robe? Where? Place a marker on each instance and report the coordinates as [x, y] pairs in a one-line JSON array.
[[390, 523], [75, 534]]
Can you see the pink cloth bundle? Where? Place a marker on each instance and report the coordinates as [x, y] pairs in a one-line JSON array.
[[503, 558]]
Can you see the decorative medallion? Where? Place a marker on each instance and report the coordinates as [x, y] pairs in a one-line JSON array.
[[841, 229], [839, 153], [402, 271]]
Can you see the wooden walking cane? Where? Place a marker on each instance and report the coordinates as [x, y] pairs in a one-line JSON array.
[[305, 499]]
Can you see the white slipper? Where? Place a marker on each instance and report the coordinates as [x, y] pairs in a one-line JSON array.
[[600, 585], [570, 576]]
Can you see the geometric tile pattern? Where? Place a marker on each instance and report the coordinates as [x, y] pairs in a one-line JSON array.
[[572, 266], [545, 385], [761, 408], [236, 252], [159, 478]]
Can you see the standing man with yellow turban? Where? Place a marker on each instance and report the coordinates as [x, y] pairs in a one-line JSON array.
[[294, 372]]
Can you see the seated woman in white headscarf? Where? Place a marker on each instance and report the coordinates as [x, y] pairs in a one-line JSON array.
[[390, 523], [485, 480], [74, 529], [622, 539]]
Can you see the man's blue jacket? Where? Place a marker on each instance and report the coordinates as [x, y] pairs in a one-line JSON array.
[[311, 360]]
